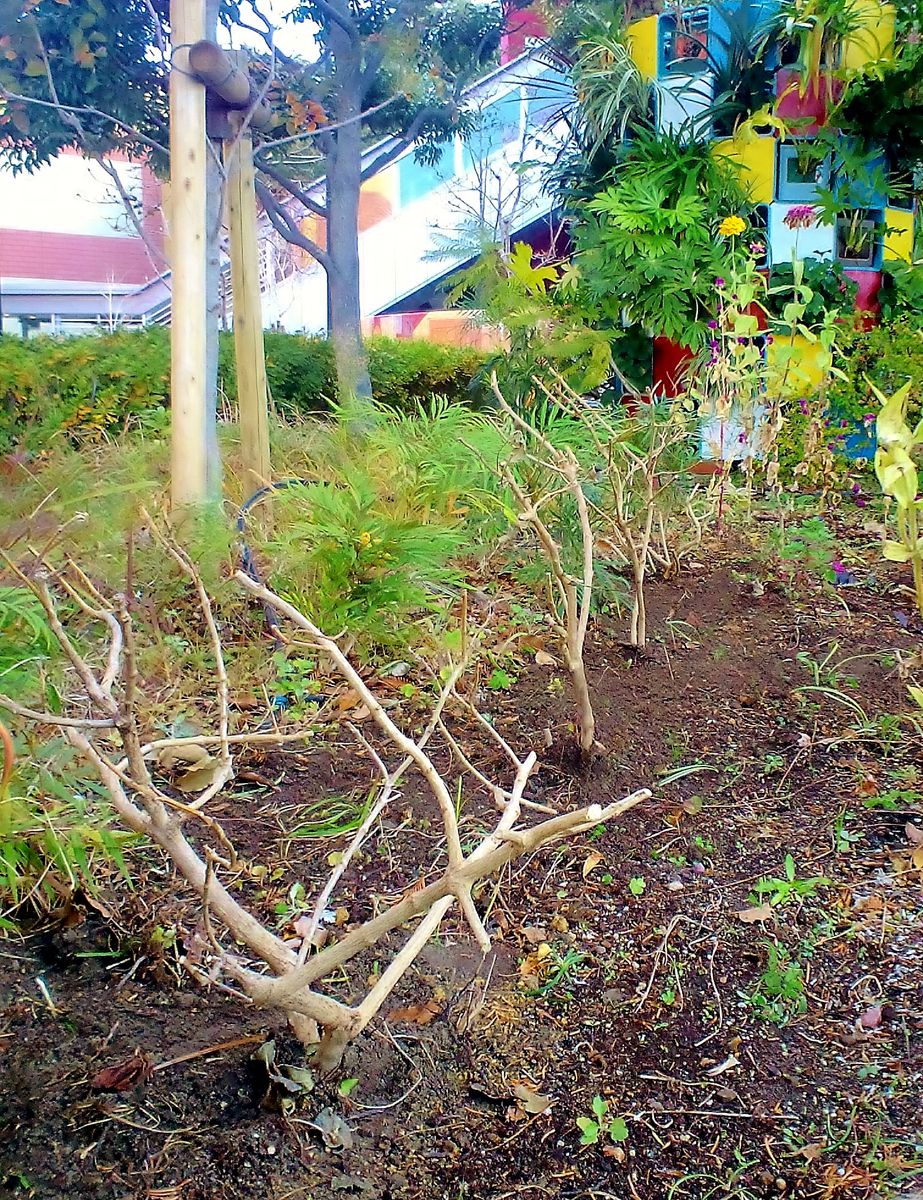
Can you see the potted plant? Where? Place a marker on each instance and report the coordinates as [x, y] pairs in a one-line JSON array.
[[855, 237]]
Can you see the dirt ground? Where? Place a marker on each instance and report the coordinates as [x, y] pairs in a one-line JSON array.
[[633, 965]]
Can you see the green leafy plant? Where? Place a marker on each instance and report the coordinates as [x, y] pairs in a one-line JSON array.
[[601, 1125], [649, 248], [779, 994], [897, 474], [807, 546], [780, 891]]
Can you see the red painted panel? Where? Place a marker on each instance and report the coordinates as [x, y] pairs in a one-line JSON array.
[[808, 112], [869, 284], [671, 362], [520, 25], [27, 254]]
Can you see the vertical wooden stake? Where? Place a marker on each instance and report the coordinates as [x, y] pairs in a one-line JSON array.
[[187, 259], [252, 399]]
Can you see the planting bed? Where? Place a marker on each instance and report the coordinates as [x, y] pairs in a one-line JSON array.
[[634, 966]]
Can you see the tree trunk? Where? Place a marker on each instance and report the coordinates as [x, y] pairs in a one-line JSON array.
[[214, 188], [344, 182]]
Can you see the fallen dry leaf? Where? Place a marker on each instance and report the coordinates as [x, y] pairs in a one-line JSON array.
[[534, 934], [592, 862], [544, 659], [761, 912], [812, 1151], [728, 1065], [124, 1075], [530, 1100], [914, 834], [415, 1014]]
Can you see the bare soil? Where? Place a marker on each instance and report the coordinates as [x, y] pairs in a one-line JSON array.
[[622, 970]]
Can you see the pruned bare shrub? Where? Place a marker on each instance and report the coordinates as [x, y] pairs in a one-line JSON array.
[[571, 598], [104, 721]]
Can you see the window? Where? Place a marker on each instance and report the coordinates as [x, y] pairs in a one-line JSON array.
[[416, 179], [801, 172], [684, 40]]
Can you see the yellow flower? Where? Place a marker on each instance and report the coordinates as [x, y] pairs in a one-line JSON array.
[[732, 226], [365, 538]]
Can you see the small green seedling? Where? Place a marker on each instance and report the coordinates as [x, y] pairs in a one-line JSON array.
[[601, 1125], [347, 1086], [637, 885], [780, 891], [779, 994]]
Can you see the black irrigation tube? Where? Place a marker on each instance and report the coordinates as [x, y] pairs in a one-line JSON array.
[[247, 561]]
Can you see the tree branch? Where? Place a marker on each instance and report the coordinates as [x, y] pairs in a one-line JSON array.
[[407, 139], [339, 15], [284, 224], [296, 192]]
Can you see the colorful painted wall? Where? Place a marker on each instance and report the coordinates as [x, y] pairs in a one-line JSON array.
[[680, 50]]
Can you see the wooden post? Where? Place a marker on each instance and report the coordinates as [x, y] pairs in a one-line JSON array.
[[252, 391], [187, 259]]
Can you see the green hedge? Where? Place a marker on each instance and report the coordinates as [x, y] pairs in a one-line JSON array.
[[83, 387]]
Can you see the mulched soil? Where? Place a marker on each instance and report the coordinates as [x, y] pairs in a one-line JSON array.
[[622, 967]]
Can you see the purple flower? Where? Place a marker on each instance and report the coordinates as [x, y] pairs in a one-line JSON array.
[[719, 282], [712, 324], [803, 405], [741, 437], [869, 417], [831, 445], [837, 566], [769, 339], [844, 424], [800, 216], [856, 489], [757, 248], [860, 502], [713, 344]]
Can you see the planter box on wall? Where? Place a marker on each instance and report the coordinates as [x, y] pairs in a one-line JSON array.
[[899, 235], [874, 40], [804, 113], [858, 243], [643, 45], [683, 98], [786, 244], [757, 163], [683, 41], [796, 185]]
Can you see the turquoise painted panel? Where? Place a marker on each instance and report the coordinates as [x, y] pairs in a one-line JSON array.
[[416, 179], [546, 95], [496, 126]]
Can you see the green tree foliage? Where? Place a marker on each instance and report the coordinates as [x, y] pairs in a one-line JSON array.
[[70, 73]]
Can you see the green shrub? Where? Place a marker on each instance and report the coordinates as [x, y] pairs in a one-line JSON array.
[[84, 388], [887, 356]]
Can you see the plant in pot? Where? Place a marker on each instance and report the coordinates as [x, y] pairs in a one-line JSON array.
[[856, 231], [818, 28]]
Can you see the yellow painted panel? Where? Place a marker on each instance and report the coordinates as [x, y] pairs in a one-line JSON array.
[[899, 239], [796, 366], [383, 184], [757, 161], [642, 45], [874, 40]]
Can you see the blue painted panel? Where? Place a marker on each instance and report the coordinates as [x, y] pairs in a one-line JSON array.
[[684, 45], [867, 189], [794, 186], [497, 126], [546, 95], [416, 179]]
